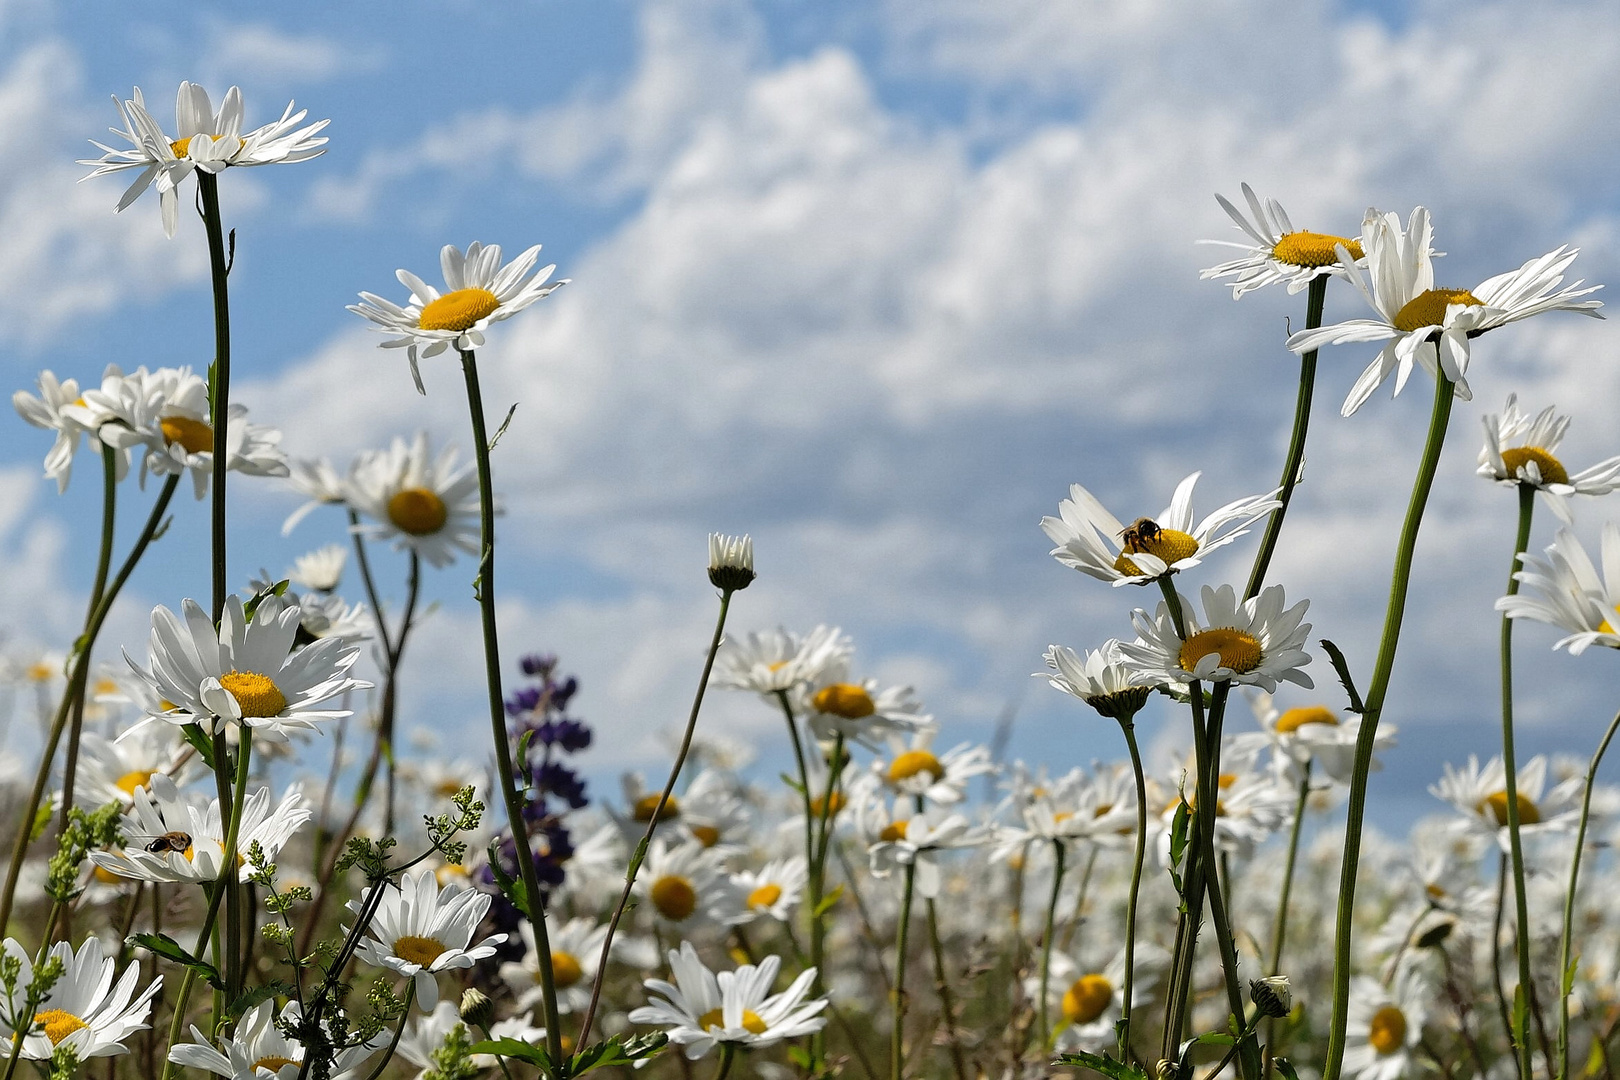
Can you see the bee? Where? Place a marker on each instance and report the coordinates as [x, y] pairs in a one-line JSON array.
[[169, 841], [1139, 533]]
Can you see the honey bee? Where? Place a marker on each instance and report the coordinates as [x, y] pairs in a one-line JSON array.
[[1139, 533], [169, 841]]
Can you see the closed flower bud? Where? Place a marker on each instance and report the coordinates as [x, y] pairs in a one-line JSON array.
[[731, 561], [477, 1009], [1272, 996]]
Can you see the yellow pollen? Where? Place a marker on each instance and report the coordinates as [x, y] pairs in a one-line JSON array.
[[133, 779], [1171, 545], [893, 831], [418, 950], [1086, 999], [844, 699], [1552, 470], [818, 805], [256, 694], [707, 835], [1387, 1030], [181, 146], [417, 511], [566, 969], [1497, 803], [1061, 816], [107, 877], [1428, 308], [194, 436], [1294, 719], [645, 806], [458, 310], [912, 762], [39, 672], [1238, 651], [273, 1062], [674, 898], [714, 1018], [58, 1024], [1313, 249], [764, 896]]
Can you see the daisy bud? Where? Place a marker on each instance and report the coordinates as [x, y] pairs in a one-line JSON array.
[[731, 561], [1272, 996], [477, 1009]]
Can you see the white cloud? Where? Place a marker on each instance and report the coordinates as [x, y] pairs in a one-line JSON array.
[[258, 51]]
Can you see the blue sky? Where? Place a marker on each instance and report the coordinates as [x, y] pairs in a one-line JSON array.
[[874, 282]]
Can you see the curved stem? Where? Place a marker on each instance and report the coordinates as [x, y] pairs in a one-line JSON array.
[[727, 1052], [1565, 960], [898, 998], [1129, 728], [1044, 1004], [1439, 417]]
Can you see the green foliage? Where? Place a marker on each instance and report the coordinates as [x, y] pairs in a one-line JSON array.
[[165, 946], [1101, 1063], [84, 832], [453, 1060]]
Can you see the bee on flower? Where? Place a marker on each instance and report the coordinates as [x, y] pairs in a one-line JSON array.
[[172, 839]]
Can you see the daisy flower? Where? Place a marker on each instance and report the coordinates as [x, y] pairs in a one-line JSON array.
[[53, 411], [576, 947], [1101, 680], [320, 485], [246, 672], [204, 139], [701, 1009], [1094, 542], [181, 440], [84, 1010], [1276, 251], [1565, 590], [1385, 1027], [905, 837], [861, 712], [172, 839], [480, 291], [425, 1034], [1075, 807], [1519, 450], [257, 1049], [772, 891], [1432, 326], [420, 930], [685, 886], [713, 814], [1090, 1001], [1479, 794], [321, 615], [321, 569], [731, 561], [427, 505], [914, 770], [1309, 734], [774, 662], [1255, 642], [112, 771], [1249, 807]]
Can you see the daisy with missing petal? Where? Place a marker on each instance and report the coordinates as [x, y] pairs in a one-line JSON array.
[[1276, 251], [701, 1009], [1565, 590], [172, 839], [771, 892], [84, 1011], [480, 291], [1385, 1027], [776, 661], [1256, 642], [1101, 680], [1519, 450], [1094, 542], [258, 1049], [420, 930], [1431, 326], [53, 411], [576, 946], [246, 672], [427, 505]]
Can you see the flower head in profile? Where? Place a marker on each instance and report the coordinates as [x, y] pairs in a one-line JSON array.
[[1097, 544], [420, 930], [1428, 326], [1308, 735], [700, 1009], [1566, 590], [1102, 679], [1256, 641], [1521, 450], [731, 561], [204, 138], [1276, 252], [425, 504], [861, 712], [913, 768], [479, 291], [84, 1010], [53, 410], [773, 662]]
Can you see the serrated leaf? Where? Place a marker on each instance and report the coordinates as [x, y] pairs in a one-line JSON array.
[[1114, 1070], [1342, 669], [165, 946], [511, 888], [616, 1052], [517, 1049], [257, 994]]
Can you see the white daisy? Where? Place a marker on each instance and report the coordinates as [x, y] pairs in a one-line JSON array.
[[171, 839], [427, 505], [480, 291], [912, 768], [902, 837], [84, 1010], [773, 891], [425, 1034], [1429, 326], [1256, 641], [246, 671], [112, 771], [1077, 806], [1306, 734], [320, 485], [1385, 1027], [182, 440], [320, 569], [53, 411], [1276, 251], [685, 886], [772, 662], [1479, 794], [714, 815], [420, 930], [1565, 590], [257, 1049], [731, 561], [701, 1009], [861, 712], [1094, 542], [576, 949], [1101, 680], [1090, 1000], [1249, 807], [1519, 450]]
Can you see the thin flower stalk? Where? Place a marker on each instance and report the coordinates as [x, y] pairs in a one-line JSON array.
[[947, 1001], [818, 883], [1566, 946], [1043, 1004], [1279, 929], [1128, 727], [898, 996]]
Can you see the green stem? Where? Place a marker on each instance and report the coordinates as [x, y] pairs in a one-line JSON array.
[[177, 1024], [1279, 929], [1296, 442], [1059, 852], [947, 1004], [818, 888], [1128, 726], [399, 1029], [109, 508], [219, 381], [1439, 417], [727, 1052], [804, 779], [1565, 959], [898, 998], [229, 872]]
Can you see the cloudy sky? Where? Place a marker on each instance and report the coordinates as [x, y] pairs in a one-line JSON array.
[[874, 282]]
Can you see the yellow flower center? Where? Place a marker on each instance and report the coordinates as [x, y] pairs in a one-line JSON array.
[[107, 877], [1387, 1030], [447, 788], [818, 805], [844, 699], [1171, 545], [1313, 249], [133, 779], [776, 665], [645, 806], [1552, 470], [764, 896], [714, 1018], [458, 310], [566, 969], [273, 1062], [181, 146], [58, 1024], [40, 672], [1428, 308], [893, 831], [1238, 651], [418, 950], [674, 898], [707, 835], [1435, 891], [1497, 804], [257, 696], [1102, 808], [194, 436], [417, 511], [1294, 719], [912, 762], [1086, 999]]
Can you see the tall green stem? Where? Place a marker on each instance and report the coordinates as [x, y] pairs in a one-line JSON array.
[[896, 1043], [818, 886], [219, 379], [947, 1001], [1129, 728], [1059, 853], [1344, 927], [1279, 929], [230, 872], [1565, 959], [1510, 770], [109, 509]]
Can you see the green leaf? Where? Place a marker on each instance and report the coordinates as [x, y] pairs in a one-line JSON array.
[[829, 900], [1569, 975], [1114, 1070], [257, 994], [42, 818], [518, 1049], [616, 1052], [512, 889], [168, 948], [1342, 669], [1521, 1015], [201, 743], [1285, 1067]]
